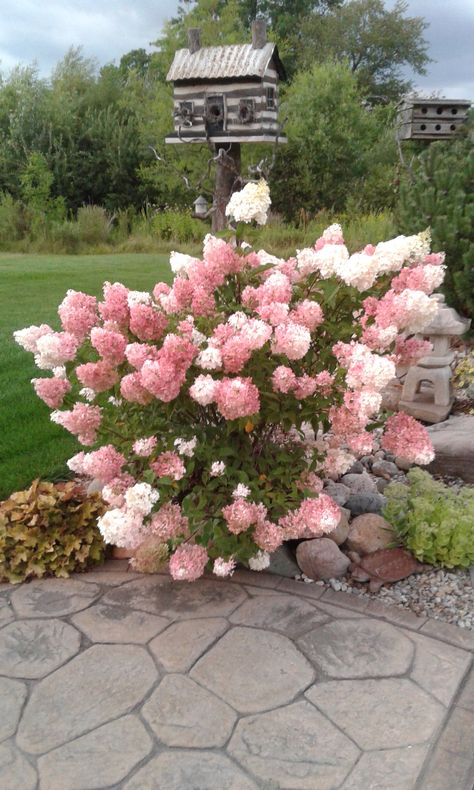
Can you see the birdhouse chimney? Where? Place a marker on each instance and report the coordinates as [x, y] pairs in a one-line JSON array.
[[194, 39], [259, 33]]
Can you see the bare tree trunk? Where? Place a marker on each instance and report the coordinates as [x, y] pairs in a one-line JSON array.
[[227, 171]]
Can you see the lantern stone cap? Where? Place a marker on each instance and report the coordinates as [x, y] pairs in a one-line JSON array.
[[447, 320]]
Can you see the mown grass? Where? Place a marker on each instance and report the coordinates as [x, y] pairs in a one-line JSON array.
[[31, 287]]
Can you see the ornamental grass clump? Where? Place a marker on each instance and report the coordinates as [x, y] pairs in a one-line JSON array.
[[49, 530], [214, 407], [432, 520]]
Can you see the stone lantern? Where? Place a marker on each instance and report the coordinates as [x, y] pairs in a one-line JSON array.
[[427, 392]]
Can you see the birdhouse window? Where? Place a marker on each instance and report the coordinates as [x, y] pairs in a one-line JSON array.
[[185, 113], [215, 114], [270, 96], [246, 110]]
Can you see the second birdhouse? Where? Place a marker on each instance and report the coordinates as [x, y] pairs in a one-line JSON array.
[[226, 94]]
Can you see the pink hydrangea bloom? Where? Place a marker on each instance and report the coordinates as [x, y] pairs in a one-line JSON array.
[[138, 353], [51, 391], [324, 382], [336, 462], [424, 278], [132, 389], [361, 443], [240, 515], [98, 376], [103, 464], [169, 522], [114, 492], [235, 354], [169, 464], [268, 536], [188, 562], [237, 397], [78, 313], [305, 387], [219, 254], [162, 379], [115, 304], [28, 338], [203, 390], [110, 345], [307, 313], [283, 379], [409, 350], [405, 437], [146, 322], [144, 447], [275, 313], [318, 516], [292, 340], [83, 421]]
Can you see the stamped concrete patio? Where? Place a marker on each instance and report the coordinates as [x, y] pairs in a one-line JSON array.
[[116, 680]]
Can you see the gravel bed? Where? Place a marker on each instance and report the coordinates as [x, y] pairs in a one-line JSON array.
[[439, 594]]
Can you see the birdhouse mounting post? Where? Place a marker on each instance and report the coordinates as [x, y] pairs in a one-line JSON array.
[[227, 173]]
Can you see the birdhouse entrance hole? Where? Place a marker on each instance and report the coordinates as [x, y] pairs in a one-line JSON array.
[[215, 114]]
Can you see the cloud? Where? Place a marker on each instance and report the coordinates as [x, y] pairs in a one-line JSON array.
[[43, 32], [106, 29]]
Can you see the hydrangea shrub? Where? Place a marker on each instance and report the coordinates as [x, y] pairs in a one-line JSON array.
[[212, 409]]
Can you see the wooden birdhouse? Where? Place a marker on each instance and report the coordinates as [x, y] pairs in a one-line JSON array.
[[431, 119], [226, 94]]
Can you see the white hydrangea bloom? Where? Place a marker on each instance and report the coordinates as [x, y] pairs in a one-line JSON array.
[[217, 469], [260, 561], [210, 358], [241, 492], [186, 448], [180, 262], [140, 498], [251, 203], [138, 297], [359, 271], [87, 393]]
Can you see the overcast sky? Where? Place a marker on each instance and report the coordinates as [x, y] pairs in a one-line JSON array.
[[106, 29]]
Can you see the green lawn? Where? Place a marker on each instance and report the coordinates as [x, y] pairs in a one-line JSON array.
[[31, 288]]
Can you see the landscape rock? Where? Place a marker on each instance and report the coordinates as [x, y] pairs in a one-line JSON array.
[[338, 491], [453, 442], [386, 565], [384, 469], [368, 533], [403, 464], [359, 483], [283, 563], [366, 503], [356, 469], [320, 558], [382, 484], [339, 535]]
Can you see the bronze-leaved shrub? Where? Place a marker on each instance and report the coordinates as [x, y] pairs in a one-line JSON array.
[[49, 530]]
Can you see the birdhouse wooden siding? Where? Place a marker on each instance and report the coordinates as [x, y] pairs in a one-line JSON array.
[[226, 94], [431, 119]]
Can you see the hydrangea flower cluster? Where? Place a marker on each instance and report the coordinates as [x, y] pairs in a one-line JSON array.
[[214, 406]]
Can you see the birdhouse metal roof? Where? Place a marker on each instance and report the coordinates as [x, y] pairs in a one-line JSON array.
[[234, 61]]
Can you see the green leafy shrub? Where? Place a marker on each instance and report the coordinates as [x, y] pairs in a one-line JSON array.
[[439, 192], [93, 224], [49, 530], [433, 521], [174, 225]]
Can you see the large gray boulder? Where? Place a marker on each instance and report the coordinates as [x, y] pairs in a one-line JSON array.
[[453, 441]]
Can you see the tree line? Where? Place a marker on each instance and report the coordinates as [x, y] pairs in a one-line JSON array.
[[86, 134]]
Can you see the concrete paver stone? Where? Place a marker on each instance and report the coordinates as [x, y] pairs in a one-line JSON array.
[[15, 770], [34, 648], [178, 600], [12, 696], [384, 713], [358, 649], [182, 770], [100, 758], [181, 713], [101, 684], [103, 623], [183, 643], [294, 747], [284, 613], [254, 670], [53, 597]]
